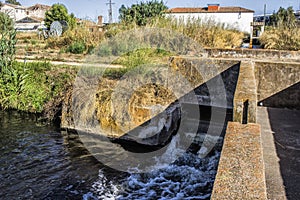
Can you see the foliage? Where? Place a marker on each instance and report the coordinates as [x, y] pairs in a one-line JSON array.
[[80, 34], [284, 34], [13, 2], [281, 38], [29, 86], [284, 18], [76, 48], [6, 23], [205, 33], [7, 42], [59, 12], [143, 56], [141, 13]]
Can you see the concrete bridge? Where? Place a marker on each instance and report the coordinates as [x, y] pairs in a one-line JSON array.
[[249, 166]]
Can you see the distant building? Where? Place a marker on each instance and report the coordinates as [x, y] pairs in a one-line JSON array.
[[26, 18], [235, 17], [15, 12], [92, 26]]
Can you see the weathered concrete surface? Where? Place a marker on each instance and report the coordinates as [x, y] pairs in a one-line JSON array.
[[254, 54], [241, 168], [285, 126], [245, 98], [116, 107], [274, 182], [274, 77]]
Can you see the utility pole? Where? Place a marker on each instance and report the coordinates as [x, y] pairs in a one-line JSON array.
[[110, 12], [265, 11]]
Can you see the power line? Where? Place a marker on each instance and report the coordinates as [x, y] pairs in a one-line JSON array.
[[110, 11]]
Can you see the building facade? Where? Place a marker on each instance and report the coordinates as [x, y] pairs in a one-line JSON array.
[[232, 17], [26, 18]]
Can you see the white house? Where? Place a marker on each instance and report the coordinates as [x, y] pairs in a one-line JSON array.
[[236, 17], [26, 18], [38, 10], [15, 12]]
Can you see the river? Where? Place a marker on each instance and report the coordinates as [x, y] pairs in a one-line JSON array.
[[39, 161]]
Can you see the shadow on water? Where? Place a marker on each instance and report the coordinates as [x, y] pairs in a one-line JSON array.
[[37, 162]]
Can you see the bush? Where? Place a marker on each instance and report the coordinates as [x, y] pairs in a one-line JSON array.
[[27, 87], [80, 34], [281, 38], [76, 48], [7, 42]]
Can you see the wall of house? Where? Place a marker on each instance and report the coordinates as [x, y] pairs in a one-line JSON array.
[[37, 13], [20, 14], [9, 11], [240, 21], [27, 26]]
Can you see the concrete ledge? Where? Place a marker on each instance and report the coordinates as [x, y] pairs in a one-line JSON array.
[[253, 53], [245, 98], [241, 173]]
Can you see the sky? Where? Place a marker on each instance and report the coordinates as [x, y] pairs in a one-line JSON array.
[[90, 9]]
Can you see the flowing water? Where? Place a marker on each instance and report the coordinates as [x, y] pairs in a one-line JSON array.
[[41, 162]]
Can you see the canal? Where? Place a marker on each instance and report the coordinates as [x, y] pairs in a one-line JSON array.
[[39, 161]]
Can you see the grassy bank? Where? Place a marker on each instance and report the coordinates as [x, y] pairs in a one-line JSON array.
[[30, 86]]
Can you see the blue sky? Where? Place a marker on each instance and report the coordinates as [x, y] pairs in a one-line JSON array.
[[92, 8]]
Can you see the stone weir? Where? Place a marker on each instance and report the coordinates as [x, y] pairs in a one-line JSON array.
[[146, 105]]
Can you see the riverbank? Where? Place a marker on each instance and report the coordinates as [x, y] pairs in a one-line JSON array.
[[37, 87]]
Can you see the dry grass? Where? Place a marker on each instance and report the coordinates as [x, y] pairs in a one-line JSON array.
[[281, 38], [79, 34], [207, 33], [27, 35]]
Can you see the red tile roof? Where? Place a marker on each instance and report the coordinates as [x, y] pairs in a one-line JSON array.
[[205, 10]]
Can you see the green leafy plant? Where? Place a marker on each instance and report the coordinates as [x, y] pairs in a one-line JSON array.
[[7, 42], [283, 34], [76, 48], [142, 12]]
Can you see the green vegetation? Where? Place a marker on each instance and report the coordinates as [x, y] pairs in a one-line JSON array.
[[141, 13], [77, 40], [143, 56], [283, 34], [59, 12], [7, 43], [76, 48], [27, 87], [13, 2], [6, 23]]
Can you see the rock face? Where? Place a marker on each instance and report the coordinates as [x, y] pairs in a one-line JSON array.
[[140, 110], [146, 104]]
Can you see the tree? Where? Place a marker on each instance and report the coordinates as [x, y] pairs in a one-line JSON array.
[[13, 2], [58, 12], [142, 12], [284, 18]]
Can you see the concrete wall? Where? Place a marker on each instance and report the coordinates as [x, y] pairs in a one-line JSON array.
[[254, 54], [280, 80], [241, 170], [240, 21]]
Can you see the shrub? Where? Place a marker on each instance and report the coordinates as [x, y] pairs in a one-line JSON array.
[[76, 48], [80, 34], [28, 86]]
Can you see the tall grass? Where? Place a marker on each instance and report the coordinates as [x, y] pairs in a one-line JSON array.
[[27, 87], [281, 38], [78, 38], [207, 33]]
